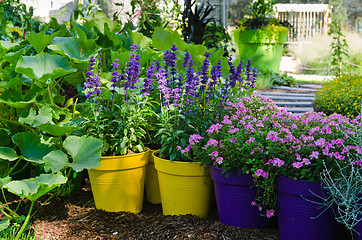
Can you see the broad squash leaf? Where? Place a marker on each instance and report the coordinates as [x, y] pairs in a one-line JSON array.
[[7, 153], [55, 161], [31, 147], [44, 66], [84, 150], [40, 41], [34, 188], [75, 48]]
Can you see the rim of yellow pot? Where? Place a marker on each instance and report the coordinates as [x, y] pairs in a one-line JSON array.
[[180, 168], [124, 162]]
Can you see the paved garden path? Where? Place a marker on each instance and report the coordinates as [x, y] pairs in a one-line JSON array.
[[297, 99]]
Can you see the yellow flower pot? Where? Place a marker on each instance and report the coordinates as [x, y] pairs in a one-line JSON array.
[[151, 182], [185, 187], [118, 183]]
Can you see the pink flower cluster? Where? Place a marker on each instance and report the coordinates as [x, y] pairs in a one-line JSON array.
[[260, 172]]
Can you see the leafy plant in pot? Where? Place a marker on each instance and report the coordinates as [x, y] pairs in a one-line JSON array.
[[116, 112], [344, 185], [260, 37], [233, 150], [190, 101], [297, 147]]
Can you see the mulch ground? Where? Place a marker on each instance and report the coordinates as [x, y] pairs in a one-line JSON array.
[[75, 217]]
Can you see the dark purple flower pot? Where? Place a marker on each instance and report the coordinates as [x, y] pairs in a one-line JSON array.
[[298, 206], [358, 229], [234, 195]]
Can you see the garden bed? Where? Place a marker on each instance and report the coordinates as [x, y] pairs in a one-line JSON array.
[[75, 217]]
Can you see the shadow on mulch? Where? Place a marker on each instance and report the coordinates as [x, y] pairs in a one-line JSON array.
[[74, 217]]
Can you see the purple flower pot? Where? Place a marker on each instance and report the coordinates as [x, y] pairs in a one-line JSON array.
[[234, 195], [358, 228], [298, 206]]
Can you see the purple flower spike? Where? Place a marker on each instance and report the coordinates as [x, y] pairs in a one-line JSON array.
[[133, 70], [147, 86], [170, 61], [92, 83], [204, 73]]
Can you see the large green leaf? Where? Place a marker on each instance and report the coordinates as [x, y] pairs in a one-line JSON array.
[[4, 181], [8, 44], [28, 116], [5, 138], [44, 66], [15, 99], [75, 48], [99, 20], [31, 147], [57, 130], [140, 39], [7, 153], [4, 224], [163, 40], [34, 188], [85, 152], [56, 161], [40, 41], [13, 57], [44, 116]]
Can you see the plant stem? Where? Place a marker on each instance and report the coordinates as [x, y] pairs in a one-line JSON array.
[[18, 123], [25, 166], [25, 222]]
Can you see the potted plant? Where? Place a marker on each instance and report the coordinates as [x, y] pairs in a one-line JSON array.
[[260, 37], [298, 146], [232, 149], [190, 101], [344, 185], [116, 112]]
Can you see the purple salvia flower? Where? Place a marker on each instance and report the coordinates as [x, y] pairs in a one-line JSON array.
[[116, 76], [157, 66], [133, 70], [147, 86], [250, 75], [92, 83], [161, 77], [238, 74], [170, 58], [204, 73]]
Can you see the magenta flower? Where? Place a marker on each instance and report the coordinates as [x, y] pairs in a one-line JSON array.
[[270, 213], [194, 138], [214, 154], [314, 155], [297, 164], [219, 160], [250, 140], [214, 128], [212, 142]]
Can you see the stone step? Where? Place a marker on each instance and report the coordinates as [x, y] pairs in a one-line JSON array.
[[316, 86], [287, 94], [298, 110], [292, 98], [297, 104], [295, 89]]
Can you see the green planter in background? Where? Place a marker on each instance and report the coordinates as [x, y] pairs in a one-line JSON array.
[[264, 47]]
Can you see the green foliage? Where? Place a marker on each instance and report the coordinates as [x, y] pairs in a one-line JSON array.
[[259, 15], [16, 20], [342, 95], [194, 21], [344, 185], [269, 78], [339, 49]]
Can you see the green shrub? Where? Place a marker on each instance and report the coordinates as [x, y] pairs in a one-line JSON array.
[[268, 78], [342, 95]]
